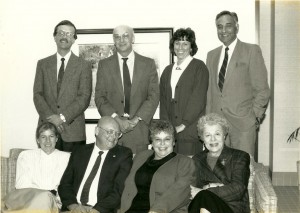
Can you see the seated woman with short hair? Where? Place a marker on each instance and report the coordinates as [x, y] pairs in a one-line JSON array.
[[222, 173], [159, 180], [38, 175]]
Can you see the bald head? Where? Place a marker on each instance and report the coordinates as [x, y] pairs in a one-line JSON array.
[[123, 36]]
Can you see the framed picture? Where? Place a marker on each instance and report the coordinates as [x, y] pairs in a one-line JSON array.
[[96, 44]]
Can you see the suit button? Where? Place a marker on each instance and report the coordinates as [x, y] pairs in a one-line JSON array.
[[176, 87], [176, 116], [175, 102], [221, 109], [122, 102], [58, 106]]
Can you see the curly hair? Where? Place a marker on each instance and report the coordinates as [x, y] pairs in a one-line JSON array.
[[158, 126], [212, 119], [184, 35]]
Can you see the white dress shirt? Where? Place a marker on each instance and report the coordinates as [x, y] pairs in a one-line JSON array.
[[177, 71], [230, 51], [94, 187], [59, 57], [130, 64], [36, 169]]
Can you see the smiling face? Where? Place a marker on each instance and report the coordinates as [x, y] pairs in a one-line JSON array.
[[64, 37], [47, 140], [123, 38], [214, 139], [227, 29], [162, 144], [182, 49]]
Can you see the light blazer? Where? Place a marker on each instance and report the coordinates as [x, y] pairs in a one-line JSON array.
[[245, 91], [170, 186], [190, 97], [232, 169], [115, 169], [144, 98], [74, 96]]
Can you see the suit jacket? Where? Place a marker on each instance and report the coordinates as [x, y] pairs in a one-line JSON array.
[[190, 97], [115, 169], [170, 186], [232, 169], [144, 98], [73, 98], [245, 91]]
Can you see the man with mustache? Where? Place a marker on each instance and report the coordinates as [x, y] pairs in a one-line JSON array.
[[94, 178], [62, 88]]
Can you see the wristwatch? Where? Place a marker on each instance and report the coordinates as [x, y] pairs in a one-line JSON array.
[[62, 117]]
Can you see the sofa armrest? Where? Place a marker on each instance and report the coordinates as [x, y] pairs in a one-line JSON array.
[[265, 196]]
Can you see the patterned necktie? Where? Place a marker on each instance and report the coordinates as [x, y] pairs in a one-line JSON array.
[[127, 85], [60, 74], [84, 198], [223, 70]]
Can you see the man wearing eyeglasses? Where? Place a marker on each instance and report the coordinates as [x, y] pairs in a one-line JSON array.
[[127, 89], [94, 178], [62, 88]]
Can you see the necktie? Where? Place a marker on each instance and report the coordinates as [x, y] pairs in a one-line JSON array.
[[60, 74], [223, 70], [84, 198], [127, 85]]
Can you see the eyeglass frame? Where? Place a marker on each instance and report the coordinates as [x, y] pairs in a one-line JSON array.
[[62, 33], [110, 132], [118, 37]]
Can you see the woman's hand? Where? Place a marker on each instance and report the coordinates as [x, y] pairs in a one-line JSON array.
[[194, 191]]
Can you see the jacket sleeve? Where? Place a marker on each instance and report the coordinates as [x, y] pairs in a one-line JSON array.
[[259, 80], [240, 174], [163, 111], [179, 192], [197, 100]]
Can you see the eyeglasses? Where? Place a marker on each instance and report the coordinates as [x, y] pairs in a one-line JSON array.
[[111, 132], [117, 37], [63, 33]]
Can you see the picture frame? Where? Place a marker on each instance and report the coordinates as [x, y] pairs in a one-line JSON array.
[[96, 44]]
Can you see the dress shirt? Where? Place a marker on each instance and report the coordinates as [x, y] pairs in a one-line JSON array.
[[59, 57], [176, 73], [130, 64], [36, 169], [94, 187], [230, 51]]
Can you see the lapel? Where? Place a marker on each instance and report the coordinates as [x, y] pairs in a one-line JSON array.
[[222, 163], [116, 72], [52, 73], [84, 159], [111, 156], [138, 71], [168, 86], [232, 63], [215, 63], [69, 73]]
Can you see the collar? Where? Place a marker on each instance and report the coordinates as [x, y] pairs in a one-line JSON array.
[[130, 56], [231, 46], [185, 63], [66, 57]]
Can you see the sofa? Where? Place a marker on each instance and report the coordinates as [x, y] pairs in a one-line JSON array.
[[262, 196]]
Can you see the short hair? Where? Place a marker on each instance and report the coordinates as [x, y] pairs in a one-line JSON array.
[[68, 23], [158, 126], [46, 126], [226, 12], [189, 35], [212, 119]]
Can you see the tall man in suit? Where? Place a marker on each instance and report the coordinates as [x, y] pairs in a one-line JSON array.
[[127, 89], [94, 178], [238, 86], [62, 88]]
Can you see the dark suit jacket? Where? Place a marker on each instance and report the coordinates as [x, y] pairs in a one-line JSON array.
[[190, 97], [170, 185], [232, 169], [74, 96], [115, 169], [245, 92], [144, 98]]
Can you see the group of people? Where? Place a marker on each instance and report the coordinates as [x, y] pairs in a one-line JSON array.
[[221, 102]]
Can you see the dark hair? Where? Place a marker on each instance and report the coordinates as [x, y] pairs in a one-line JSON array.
[[158, 126], [68, 23], [226, 12], [46, 126], [184, 34], [212, 119]]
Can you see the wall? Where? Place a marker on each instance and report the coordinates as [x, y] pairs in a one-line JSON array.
[[26, 35]]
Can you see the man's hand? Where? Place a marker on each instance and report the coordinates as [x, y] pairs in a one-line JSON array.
[[57, 121], [94, 211], [77, 208], [134, 121], [124, 125], [180, 128]]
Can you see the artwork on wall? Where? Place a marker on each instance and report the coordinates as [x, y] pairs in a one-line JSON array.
[[96, 44]]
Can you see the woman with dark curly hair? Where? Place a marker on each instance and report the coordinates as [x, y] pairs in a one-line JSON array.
[[183, 88]]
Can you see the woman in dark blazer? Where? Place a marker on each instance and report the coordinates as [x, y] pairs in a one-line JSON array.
[[222, 173], [159, 180], [183, 88]]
